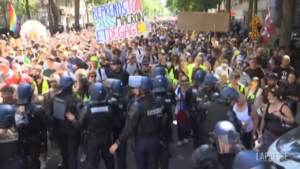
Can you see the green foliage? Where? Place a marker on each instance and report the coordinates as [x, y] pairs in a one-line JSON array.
[[20, 7], [153, 7], [191, 5]]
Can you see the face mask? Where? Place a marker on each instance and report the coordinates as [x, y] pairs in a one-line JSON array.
[[36, 76], [271, 101], [169, 64]]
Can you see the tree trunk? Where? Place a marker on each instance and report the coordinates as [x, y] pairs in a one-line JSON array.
[[77, 13], [286, 23], [4, 10], [55, 16], [87, 11], [50, 18], [27, 9], [250, 11], [219, 5], [228, 7], [255, 7]]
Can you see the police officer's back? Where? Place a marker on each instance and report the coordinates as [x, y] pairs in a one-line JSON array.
[[66, 122], [218, 110], [31, 124], [117, 98], [98, 124], [161, 94], [194, 96], [144, 121], [9, 149]]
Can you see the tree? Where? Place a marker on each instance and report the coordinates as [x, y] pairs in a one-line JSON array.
[[255, 7], [54, 16], [4, 10], [286, 23], [77, 14], [250, 11], [192, 5], [27, 9]]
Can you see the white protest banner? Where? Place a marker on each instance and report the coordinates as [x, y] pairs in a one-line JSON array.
[[119, 20]]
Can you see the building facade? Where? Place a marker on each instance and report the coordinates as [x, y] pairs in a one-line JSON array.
[[67, 12], [240, 8]]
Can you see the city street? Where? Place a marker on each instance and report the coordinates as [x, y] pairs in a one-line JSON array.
[[180, 158]]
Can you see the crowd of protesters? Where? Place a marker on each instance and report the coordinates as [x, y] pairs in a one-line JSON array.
[[267, 83]]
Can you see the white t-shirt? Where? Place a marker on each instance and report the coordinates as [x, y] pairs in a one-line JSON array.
[[244, 117]]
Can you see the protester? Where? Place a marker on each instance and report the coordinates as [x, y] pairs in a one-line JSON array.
[[277, 118], [228, 60]]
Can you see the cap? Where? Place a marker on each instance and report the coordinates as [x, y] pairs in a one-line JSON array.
[[255, 78], [273, 76], [286, 57], [115, 61], [54, 78]]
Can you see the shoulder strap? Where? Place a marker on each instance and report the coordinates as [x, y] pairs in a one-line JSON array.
[[100, 74], [137, 66], [249, 109], [281, 107]]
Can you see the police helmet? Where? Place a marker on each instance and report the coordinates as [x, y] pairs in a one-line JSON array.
[[199, 76], [248, 159], [158, 70], [146, 84], [7, 113], [226, 137], [24, 93], [160, 84], [97, 92], [202, 155], [117, 87], [141, 82], [210, 80], [228, 94], [65, 82]]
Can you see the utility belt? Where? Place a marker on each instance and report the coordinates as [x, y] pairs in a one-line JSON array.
[[29, 132]]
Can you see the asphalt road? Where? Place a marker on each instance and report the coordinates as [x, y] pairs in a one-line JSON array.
[[180, 158]]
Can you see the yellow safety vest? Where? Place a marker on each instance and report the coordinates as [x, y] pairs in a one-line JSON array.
[[241, 88], [171, 77], [85, 98], [190, 69], [45, 87]]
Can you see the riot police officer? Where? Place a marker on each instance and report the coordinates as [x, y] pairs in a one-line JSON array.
[[227, 141], [31, 124], [209, 90], [250, 159], [66, 125], [144, 121], [218, 110], [118, 105], [196, 114], [158, 70], [205, 157], [98, 124], [9, 149], [161, 94], [224, 144]]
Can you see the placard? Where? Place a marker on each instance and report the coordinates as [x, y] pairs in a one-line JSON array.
[[203, 22], [120, 20]]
